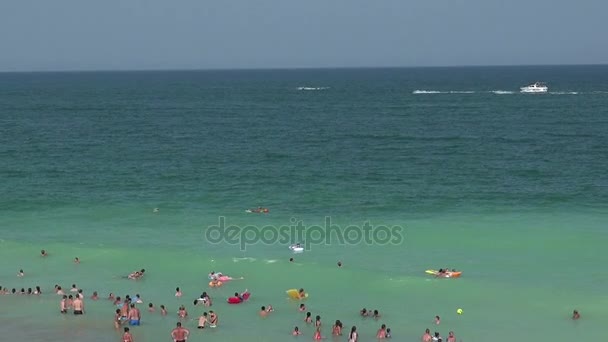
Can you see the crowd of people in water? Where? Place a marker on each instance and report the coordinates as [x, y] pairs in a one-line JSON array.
[[127, 314]]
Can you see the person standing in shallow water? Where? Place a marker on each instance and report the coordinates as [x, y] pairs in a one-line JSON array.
[[180, 334], [353, 336], [127, 337]]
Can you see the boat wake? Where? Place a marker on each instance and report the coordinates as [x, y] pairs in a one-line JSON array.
[[497, 92], [443, 92]]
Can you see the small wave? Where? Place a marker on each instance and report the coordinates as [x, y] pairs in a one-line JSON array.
[[599, 92], [270, 261], [502, 92], [564, 93], [313, 88], [243, 259]]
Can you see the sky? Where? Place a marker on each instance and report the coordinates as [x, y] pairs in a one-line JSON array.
[[47, 35]]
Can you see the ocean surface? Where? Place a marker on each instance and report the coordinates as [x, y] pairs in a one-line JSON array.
[[510, 188]]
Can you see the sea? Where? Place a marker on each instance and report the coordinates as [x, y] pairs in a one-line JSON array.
[[415, 169]]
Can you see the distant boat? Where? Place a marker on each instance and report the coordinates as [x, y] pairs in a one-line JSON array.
[[535, 88]]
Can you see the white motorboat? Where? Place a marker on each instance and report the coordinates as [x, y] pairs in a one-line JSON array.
[[296, 248], [535, 88]]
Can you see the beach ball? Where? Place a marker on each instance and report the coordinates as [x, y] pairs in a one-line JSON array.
[[459, 311]]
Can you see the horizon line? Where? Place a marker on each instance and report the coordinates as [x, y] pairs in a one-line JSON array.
[[295, 68]]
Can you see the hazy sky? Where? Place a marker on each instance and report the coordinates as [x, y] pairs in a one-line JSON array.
[[203, 34]]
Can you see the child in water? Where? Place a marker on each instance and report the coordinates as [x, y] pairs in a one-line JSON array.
[[317, 336], [296, 331]]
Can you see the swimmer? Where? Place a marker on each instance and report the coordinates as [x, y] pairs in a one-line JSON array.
[[126, 337], [437, 320], [178, 292], [163, 311], [29, 290], [336, 329], [202, 321], [138, 299], [339, 263], [182, 313], [290, 259], [575, 315], [353, 336], [111, 296], [451, 337], [59, 291], [437, 337], [318, 321], [302, 294], [179, 334], [317, 336], [78, 305], [20, 274], [381, 332], [151, 307], [376, 314], [76, 260], [263, 311], [364, 312], [43, 253], [124, 308], [137, 274], [134, 315], [38, 291], [63, 305], [155, 210], [302, 308], [74, 288], [296, 331], [427, 336], [95, 296], [388, 333], [213, 319], [308, 318], [117, 319]]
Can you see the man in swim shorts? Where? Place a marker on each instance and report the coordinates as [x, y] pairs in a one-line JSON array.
[[78, 305], [134, 315], [180, 334]]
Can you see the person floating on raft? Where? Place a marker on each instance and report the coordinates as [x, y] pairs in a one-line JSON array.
[[445, 273], [239, 298], [221, 277]]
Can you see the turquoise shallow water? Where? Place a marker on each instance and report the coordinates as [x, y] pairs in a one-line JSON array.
[[507, 187]]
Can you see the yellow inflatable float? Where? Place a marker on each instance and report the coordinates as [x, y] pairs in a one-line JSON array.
[[295, 294], [215, 283]]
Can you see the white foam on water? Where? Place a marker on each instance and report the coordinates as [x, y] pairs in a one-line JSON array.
[[243, 259], [426, 92], [313, 88]]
